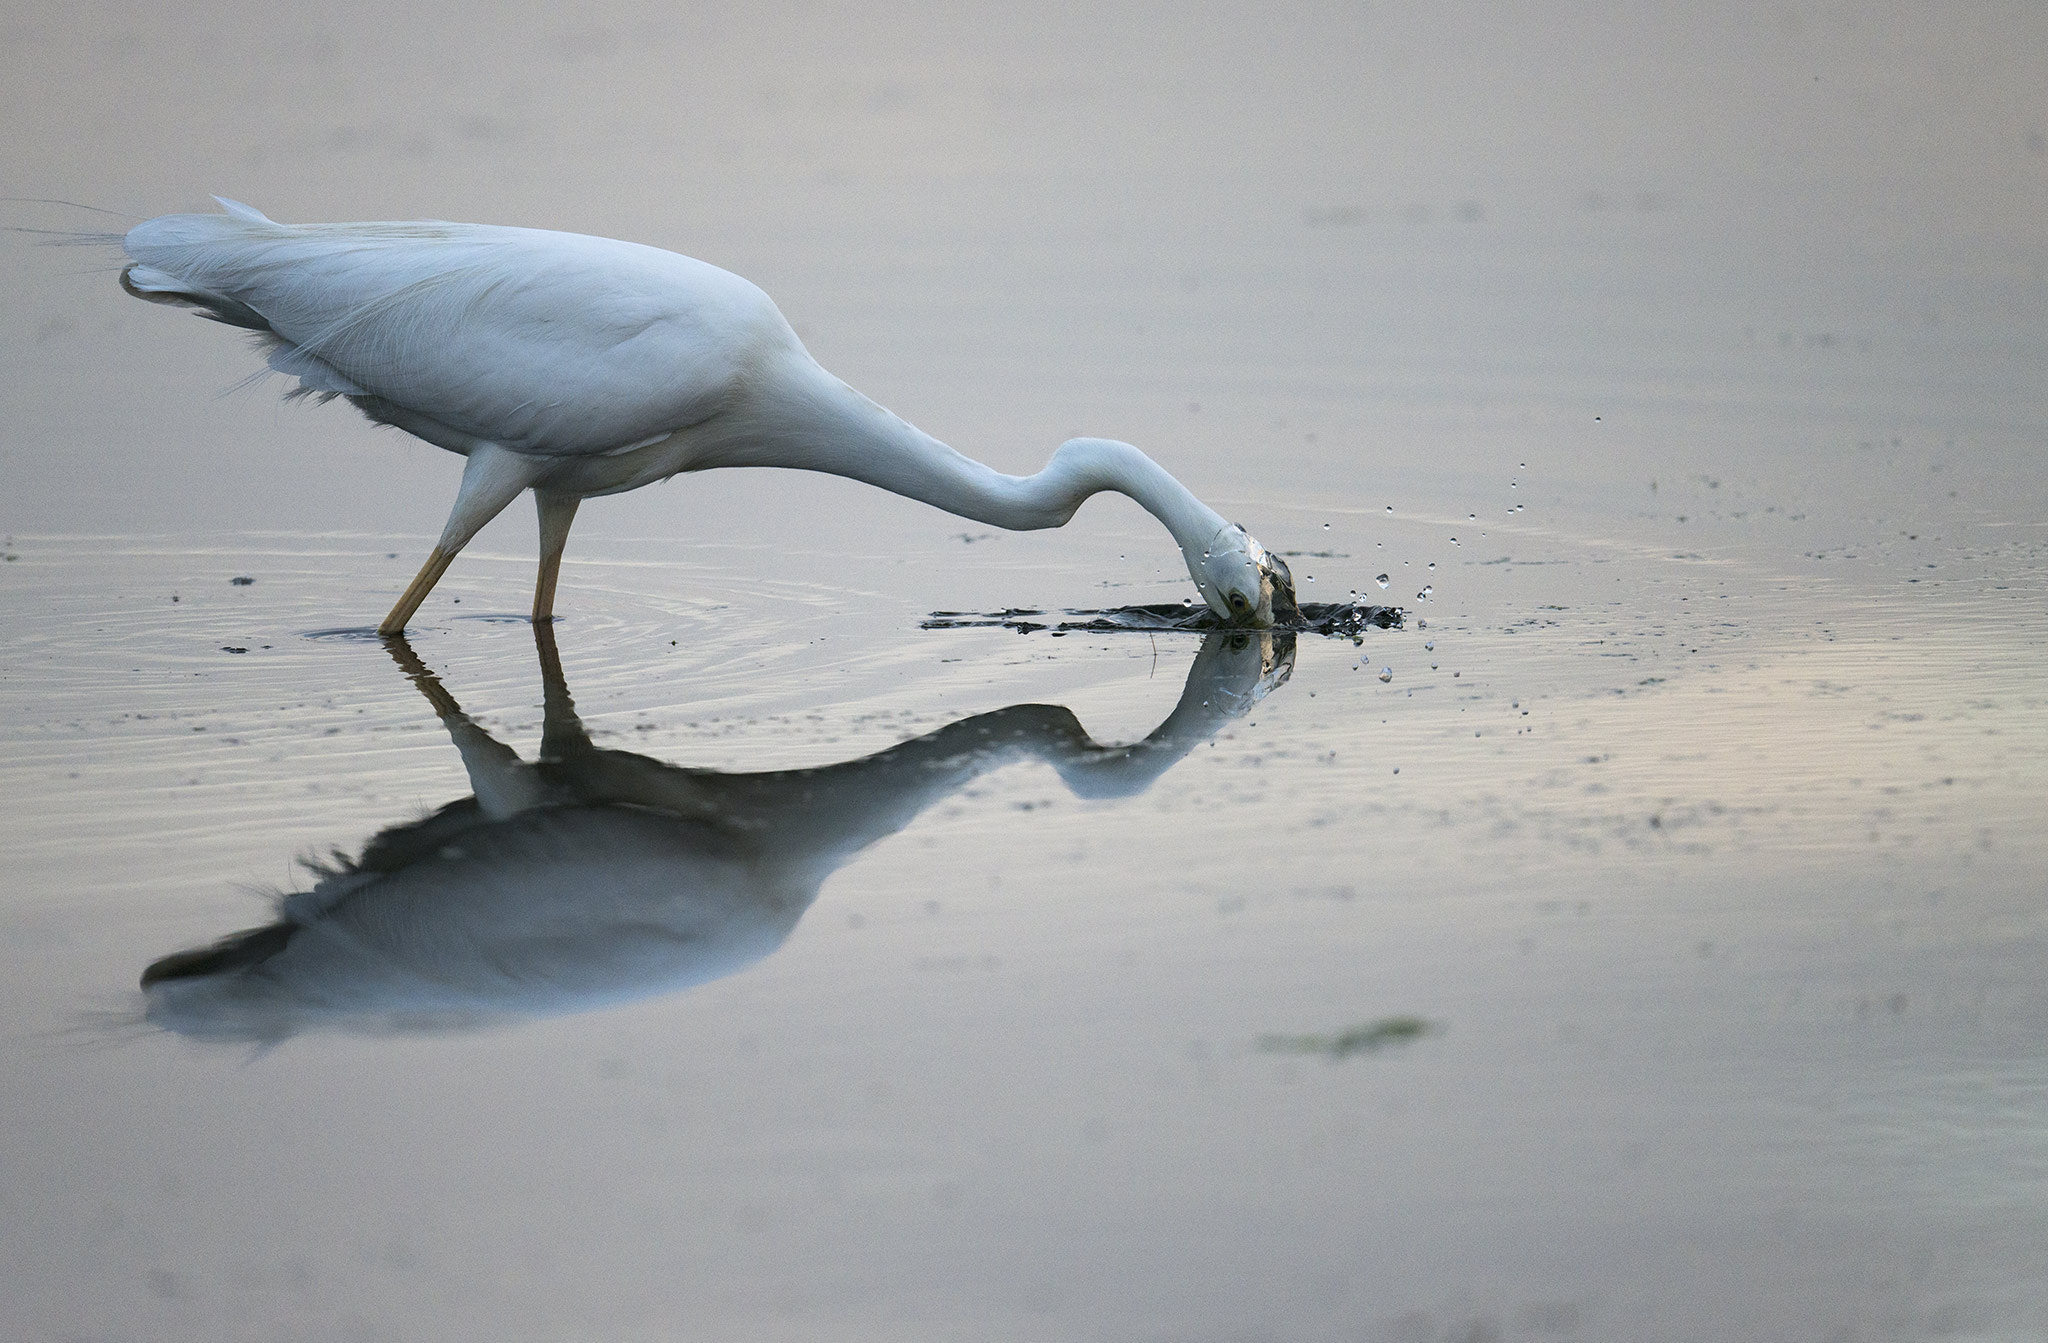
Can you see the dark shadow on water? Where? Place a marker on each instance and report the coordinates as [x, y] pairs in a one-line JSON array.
[[1370, 1038], [1337, 619], [589, 877]]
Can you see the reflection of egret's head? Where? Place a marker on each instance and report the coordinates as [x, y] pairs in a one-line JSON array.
[[594, 877]]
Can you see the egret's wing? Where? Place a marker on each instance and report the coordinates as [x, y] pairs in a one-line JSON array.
[[541, 342]]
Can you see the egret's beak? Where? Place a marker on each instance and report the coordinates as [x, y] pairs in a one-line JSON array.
[[1277, 604], [1277, 580]]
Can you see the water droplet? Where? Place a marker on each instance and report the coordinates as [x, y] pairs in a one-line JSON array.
[[1386, 673], [1382, 580], [1422, 624], [1513, 484], [1311, 578], [1454, 540], [1472, 517], [1432, 566], [1429, 647], [1390, 508], [1428, 590], [1326, 526]]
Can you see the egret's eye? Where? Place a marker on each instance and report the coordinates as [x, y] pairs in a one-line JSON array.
[[1238, 602]]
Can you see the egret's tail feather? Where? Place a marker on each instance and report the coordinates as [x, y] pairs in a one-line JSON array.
[[248, 214], [64, 237], [299, 287], [316, 376], [160, 286]]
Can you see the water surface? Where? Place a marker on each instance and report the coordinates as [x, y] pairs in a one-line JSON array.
[[1642, 938]]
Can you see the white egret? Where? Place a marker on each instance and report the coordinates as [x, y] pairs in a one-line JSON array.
[[576, 366]]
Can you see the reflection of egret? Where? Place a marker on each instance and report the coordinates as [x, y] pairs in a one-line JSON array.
[[577, 366], [597, 876]]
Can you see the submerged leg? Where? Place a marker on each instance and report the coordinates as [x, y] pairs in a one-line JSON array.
[[557, 511], [492, 478]]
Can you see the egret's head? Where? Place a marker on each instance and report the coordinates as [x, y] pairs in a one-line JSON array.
[[1243, 582]]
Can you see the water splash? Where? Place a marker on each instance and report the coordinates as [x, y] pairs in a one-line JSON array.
[[1336, 619], [365, 634]]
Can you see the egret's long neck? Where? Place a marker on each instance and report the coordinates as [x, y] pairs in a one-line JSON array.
[[818, 423]]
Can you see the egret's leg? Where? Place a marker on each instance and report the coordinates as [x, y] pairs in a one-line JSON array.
[[557, 511], [423, 582], [492, 478]]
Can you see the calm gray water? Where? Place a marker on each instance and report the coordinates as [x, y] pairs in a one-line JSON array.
[[1645, 940]]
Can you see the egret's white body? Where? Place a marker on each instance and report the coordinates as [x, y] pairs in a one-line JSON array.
[[577, 366]]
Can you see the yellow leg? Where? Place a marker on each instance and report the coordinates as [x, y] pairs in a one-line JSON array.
[[423, 583], [492, 478], [557, 511]]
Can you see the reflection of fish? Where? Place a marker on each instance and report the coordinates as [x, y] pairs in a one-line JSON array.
[[596, 876]]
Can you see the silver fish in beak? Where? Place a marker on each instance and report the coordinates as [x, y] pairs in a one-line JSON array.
[[1277, 606], [1245, 584]]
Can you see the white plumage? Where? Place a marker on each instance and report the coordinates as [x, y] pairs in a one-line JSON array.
[[577, 366]]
